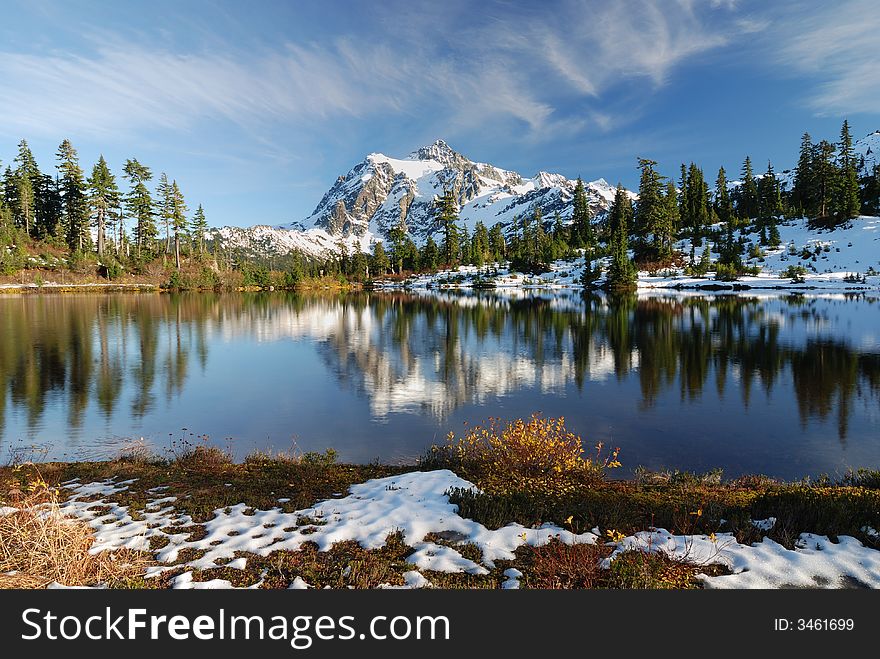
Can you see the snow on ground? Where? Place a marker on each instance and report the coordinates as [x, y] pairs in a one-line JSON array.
[[815, 562], [832, 257], [417, 504]]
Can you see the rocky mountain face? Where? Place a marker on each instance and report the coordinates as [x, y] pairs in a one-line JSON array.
[[380, 193]]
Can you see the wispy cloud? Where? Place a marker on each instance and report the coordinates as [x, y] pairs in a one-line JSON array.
[[511, 67], [839, 44]]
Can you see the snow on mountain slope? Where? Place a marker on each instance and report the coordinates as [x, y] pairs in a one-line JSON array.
[[380, 192]]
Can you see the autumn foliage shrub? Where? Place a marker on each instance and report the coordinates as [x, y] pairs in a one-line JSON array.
[[536, 455]]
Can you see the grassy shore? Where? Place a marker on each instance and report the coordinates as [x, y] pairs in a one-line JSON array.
[[205, 480]]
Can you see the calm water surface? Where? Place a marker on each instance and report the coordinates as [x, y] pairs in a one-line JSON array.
[[781, 385]]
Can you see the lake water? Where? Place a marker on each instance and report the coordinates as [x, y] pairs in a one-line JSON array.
[[781, 385]]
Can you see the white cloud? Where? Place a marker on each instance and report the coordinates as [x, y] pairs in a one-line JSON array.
[[521, 67], [839, 45]]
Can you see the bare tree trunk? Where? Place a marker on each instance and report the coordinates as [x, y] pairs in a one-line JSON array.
[[177, 250]]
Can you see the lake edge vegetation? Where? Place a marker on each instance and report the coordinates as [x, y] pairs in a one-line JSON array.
[[577, 497], [144, 236]]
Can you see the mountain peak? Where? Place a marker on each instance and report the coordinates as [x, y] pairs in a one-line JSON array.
[[440, 151]]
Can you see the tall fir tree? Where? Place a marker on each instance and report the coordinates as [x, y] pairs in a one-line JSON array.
[[199, 229], [446, 208], [48, 208], [803, 189], [397, 236], [139, 206], [165, 203], [581, 224], [103, 199], [723, 203], [178, 219], [747, 205], [73, 198], [380, 263], [848, 202], [621, 270], [697, 204], [429, 258], [27, 181], [497, 244], [826, 177], [652, 225]]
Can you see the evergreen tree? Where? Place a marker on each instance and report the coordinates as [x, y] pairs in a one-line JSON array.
[[621, 271], [177, 219], [723, 203], [697, 206], [446, 208], [747, 206], [803, 193], [139, 205], [871, 193], [769, 199], [397, 236], [480, 245], [497, 244], [165, 202], [27, 180], [848, 202], [464, 245], [73, 198], [380, 262], [199, 228], [48, 210], [825, 178], [430, 255], [103, 199], [581, 224], [652, 221]]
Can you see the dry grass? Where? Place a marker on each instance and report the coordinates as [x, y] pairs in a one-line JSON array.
[[39, 545]]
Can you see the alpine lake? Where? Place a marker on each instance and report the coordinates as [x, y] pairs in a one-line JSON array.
[[786, 385]]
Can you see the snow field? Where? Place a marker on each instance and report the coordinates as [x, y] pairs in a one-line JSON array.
[[417, 504]]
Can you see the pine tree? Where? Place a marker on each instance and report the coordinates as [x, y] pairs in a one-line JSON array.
[[28, 179], [103, 198], [803, 193], [139, 205], [723, 204], [621, 271], [177, 219], [497, 244], [48, 207], [747, 205], [848, 202], [73, 198], [769, 199], [464, 245], [165, 201], [447, 218], [652, 222], [430, 255], [397, 236], [480, 245], [581, 224], [199, 228], [826, 177], [380, 263], [696, 196]]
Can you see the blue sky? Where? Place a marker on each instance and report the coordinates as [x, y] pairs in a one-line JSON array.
[[256, 108]]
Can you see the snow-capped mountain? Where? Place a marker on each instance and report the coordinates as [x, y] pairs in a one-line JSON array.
[[381, 192]]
